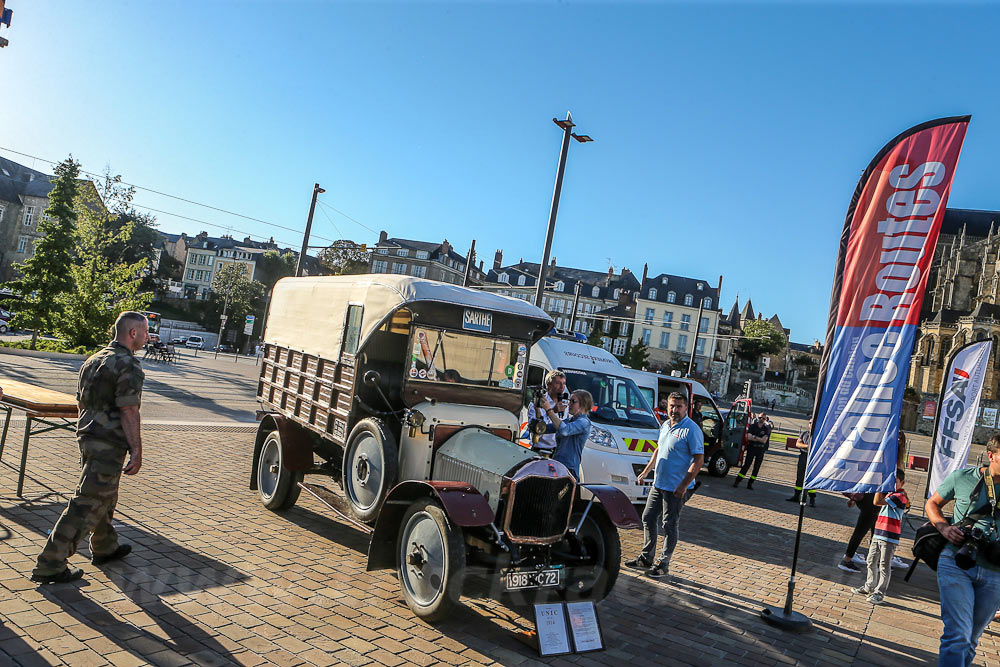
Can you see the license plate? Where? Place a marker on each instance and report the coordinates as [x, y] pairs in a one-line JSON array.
[[522, 579]]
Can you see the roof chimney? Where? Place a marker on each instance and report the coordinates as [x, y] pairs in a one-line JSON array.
[[383, 237], [497, 260], [718, 293], [445, 247], [480, 266], [645, 272], [553, 263]]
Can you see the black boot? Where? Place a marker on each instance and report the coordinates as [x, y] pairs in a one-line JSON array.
[[795, 498], [736, 483], [812, 500], [750, 486]]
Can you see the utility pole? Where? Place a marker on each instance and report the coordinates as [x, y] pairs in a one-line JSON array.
[[576, 301], [697, 330], [222, 323], [309, 223], [567, 128], [468, 263]]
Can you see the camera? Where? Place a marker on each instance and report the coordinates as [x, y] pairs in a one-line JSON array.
[[968, 553]]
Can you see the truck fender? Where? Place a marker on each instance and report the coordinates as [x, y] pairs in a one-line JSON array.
[[462, 503], [616, 504], [296, 445]]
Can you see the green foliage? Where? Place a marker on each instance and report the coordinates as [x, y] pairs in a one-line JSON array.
[[762, 338], [272, 266], [344, 258], [102, 287], [235, 290], [594, 338], [637, 356], [47, 345], [45, 276], [808, 365]]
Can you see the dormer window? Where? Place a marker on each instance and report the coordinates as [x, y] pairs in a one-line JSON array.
[[664, 280], [617, 293], [504, 278], [671, 297], [688, 300], [520, 280], [701, 286], [560, 286], [707, 301], [596, 292], [652, 293]]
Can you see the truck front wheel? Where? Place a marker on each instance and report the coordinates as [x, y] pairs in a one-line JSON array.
[[278, 486], [718, 466], [430, 560], [594, 578]]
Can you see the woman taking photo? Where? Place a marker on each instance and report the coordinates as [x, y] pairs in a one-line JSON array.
[[572, 432]]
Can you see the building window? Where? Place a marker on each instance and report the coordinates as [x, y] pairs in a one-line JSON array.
[[606, 326], [29, 215], [617, 293], [560, 286], [2, 209], [503, 278], [22, 244], [682, 343], [664, 340], [422, 254], [646, 335], [418, 271], [520, 280], [664, 280], [402, 252], [668, 319], [700, 348], [685, 322], [701, 286], [383, 251], [624, 328], [688, 300], [190, 274], [596, 292], [707, 302], [380, 266], [671, 297], [399, 267], [652, 294], [650, 313], [618, 347], [703, 325]]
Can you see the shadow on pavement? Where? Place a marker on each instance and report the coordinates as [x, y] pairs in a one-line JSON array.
[[144, 583]]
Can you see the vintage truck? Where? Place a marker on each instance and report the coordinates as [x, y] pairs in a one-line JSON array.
[[405, 394]]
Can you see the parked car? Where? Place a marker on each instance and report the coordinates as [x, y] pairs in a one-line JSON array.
[[405, 394], [195, 342], [179, 340], [224, 348], [4, 326]]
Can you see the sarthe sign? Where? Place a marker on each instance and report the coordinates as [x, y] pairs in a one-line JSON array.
[[885, 253], [959, 404]]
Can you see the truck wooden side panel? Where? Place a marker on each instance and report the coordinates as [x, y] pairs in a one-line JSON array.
[[314, 392]]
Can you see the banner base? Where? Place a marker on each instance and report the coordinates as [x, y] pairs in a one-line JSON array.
[[792, 621]]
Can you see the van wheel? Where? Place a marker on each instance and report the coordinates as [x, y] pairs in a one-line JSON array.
[[718, 466], [3, 328], [371, 460], [595, 577], [277, 485], [430, 560]]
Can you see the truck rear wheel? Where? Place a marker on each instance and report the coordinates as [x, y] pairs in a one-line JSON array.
[[430, 560], [595, 577], [718, 466], [278, 486], [371, 460]]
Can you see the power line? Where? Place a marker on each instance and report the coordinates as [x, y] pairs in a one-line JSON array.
[[205, 222], [357, 222], [327, 215]]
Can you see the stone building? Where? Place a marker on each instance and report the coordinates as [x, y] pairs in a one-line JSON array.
[[667, 322], [962, 301], [421, 259], [24, 195]]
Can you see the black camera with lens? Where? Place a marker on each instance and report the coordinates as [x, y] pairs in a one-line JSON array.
[[968, 553]]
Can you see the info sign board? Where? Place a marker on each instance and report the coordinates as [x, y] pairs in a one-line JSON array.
[[248, 329], [568, 628]]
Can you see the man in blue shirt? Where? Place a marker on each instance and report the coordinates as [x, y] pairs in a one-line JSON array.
[[680, 453]]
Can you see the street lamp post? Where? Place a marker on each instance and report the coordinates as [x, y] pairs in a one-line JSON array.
[[567, 128], [697, 330]]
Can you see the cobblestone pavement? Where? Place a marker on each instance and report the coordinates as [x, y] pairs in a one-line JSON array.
[[215, 578]]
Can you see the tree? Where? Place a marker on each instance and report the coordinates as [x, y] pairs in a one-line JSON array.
[[344, 258], [762, 338], [236, 291], [595, 338], [45, 276], [272, 266], [102, 287], [637, 356]]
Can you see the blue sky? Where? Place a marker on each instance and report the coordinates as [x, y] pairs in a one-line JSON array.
[[729, 137]]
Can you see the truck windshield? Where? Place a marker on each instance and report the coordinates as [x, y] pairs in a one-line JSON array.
[[448, 357], [617, 400]]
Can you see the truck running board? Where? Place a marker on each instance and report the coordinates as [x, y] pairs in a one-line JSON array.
[[337, 504]]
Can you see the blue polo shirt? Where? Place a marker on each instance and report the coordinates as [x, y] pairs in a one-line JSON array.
[[676, 447]]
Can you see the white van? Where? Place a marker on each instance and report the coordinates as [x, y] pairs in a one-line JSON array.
[[624, 432], [725, 434]]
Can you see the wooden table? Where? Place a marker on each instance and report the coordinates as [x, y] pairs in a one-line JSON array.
[[39, 406]]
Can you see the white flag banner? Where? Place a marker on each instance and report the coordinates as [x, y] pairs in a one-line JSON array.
[[957, 410]]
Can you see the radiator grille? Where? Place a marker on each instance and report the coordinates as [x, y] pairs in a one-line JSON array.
[[540, 508], [448, 469]]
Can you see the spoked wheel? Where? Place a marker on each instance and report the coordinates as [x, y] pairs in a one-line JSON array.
[[596, 575], [277, 485], [370, 463], [430, 561]]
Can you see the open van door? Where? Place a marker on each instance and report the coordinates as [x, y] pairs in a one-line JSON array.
[[735, 433]]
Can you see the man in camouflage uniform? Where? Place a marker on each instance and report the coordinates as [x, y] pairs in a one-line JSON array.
[[108, 396]]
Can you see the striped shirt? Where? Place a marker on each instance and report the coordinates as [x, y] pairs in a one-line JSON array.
[[888, 525]]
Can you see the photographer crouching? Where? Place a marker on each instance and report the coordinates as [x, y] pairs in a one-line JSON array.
[[968, 568]]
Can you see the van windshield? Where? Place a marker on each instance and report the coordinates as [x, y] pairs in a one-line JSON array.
[[448, 357], [617, 400]]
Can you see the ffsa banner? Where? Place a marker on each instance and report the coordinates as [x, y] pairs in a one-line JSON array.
[[885, 252], [959, 404]]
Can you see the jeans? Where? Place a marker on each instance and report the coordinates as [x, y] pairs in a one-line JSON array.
[[663, 508], [969, 599], [879, 566]]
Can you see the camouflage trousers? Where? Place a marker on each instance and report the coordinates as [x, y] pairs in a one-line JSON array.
[[90, 510]]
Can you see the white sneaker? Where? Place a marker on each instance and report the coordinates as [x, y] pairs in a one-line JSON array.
[[859, 559], [899, 563]]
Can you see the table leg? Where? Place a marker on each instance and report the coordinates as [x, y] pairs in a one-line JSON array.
[[24, 457], [6, 423]]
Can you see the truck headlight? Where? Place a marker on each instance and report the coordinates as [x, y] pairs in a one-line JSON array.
[[602, 437]]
